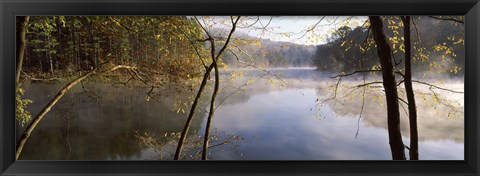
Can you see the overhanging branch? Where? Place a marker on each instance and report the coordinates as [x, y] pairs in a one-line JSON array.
[[434, 86], [355, 72]]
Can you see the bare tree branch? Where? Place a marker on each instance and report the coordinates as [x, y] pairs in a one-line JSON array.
[[250, 25], [217, 85], [402, 100], [229, 95], [310, 29], [357, 71], [361, 110], [434, 86], [367, 84], [40, 79], [335, 92], [404, 110], [122, 25], [416, 31], [276, 76], [202, 86]]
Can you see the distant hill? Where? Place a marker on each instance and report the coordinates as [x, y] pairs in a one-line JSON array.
[[265, 52]]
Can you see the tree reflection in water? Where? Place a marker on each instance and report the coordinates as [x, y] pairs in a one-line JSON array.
[[164, 146]]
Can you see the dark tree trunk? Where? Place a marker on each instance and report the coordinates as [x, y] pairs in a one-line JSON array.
[[217, 84], [212, 106], [87, 51], [389, 83], [50, 57], [412, 109], [22, 22], [59, 56], [186, 128], [199, 93]]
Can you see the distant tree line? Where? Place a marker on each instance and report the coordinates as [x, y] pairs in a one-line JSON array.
[[267, 53], [438, 47]]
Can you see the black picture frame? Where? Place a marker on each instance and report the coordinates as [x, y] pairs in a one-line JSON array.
[[10, 8]]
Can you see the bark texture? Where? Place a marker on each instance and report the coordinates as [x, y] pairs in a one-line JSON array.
[[21, 24], [412, 109], [389, 84]]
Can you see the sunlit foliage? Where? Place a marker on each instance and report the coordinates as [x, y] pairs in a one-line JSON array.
[[21, 114]]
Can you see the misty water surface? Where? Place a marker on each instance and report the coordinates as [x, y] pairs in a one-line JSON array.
[[271, 122]]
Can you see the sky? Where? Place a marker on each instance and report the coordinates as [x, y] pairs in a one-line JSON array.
[[295, 29]]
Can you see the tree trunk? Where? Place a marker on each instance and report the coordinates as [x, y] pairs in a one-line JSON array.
[[199, 93], [217, 84], [22, 22], [212, 105], [59, 56], [49, 106], [210, 114], [190, 114], [389, 83], [49, 56], [412, 109]]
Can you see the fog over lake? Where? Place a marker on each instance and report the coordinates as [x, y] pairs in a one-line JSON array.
[[276, 114]]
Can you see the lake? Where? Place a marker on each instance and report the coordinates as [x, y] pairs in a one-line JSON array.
[[279, 115]]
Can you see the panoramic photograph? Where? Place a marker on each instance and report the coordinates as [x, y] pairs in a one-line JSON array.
[[240, 87]]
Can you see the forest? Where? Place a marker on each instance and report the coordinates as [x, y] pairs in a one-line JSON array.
[[68, 44], [180, 72], [442, 50]]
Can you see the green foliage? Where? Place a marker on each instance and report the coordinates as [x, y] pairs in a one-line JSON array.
[[21, 114], [346, 51], [156, 43], [438, 46]]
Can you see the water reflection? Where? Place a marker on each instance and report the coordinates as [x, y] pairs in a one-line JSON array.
[[281, 126], [433, 123], [99, 130], [274, 123]]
